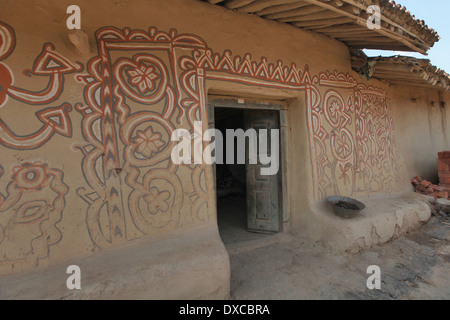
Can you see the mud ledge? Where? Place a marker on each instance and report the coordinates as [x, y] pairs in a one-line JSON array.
[[385, 218], [192, 264]]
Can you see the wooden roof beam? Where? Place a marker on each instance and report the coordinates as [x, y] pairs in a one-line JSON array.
[[259, 5], [335, 6], [386, 19], [282, 7]]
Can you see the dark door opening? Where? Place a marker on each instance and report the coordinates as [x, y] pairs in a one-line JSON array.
[[248, 204]]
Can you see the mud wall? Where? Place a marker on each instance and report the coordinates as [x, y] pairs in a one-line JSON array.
[[422, 121], [85, 130]]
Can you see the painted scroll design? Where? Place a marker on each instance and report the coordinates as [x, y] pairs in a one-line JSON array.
[[354, 143], [352, 139], [133, 104], [34, 199], [48, 64], [29, 212]]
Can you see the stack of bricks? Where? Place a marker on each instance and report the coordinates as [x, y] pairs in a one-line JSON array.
[[426, 187], [444, 169], [443, 189]]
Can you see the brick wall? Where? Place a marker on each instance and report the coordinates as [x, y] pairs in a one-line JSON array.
[[444, 169]]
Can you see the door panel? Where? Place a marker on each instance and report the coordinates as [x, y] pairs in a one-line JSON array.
[[263, 191]]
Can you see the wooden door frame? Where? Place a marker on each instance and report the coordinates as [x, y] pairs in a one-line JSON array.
[[263, 104]]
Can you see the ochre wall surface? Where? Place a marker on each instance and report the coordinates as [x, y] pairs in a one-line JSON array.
[[85, 138], [422, 122]]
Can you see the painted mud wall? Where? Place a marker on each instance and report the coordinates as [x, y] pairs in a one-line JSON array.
[[85, 137]]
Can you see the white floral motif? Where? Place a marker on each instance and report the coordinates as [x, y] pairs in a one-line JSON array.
[[148, 142], [142, 77]]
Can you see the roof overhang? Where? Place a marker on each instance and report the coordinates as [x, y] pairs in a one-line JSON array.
[[400, 70], [345, 20]]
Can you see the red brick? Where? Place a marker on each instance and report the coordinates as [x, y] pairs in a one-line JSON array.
[[440, 155], [426, 183], [443, 194], [443, 164], [438, 189], [443, 161], [446, 154], [421, 188], [444, 174], [444, 180]]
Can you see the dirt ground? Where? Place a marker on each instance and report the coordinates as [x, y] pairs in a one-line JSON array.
[[416, 266]]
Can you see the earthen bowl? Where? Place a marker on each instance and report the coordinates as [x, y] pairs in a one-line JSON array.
[[346, 208]]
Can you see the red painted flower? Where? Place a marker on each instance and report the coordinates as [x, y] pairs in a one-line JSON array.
[[157, 200], [5, 82], [148, 142], [335, 109], [343, 146], [344, 175], [142, 77]]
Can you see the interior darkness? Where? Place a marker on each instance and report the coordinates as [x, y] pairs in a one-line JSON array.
[[230, 181], [230, 178]]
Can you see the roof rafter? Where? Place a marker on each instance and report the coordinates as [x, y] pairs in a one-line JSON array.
[[334, 18]]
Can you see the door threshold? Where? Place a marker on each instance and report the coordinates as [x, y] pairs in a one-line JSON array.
[[243, 246]]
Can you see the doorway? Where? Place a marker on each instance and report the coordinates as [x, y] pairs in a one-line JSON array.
[[249, 204]]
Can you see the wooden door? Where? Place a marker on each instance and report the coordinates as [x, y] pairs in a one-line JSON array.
[[263, 191]]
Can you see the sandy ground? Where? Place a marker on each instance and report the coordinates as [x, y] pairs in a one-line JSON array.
[[416, 266]]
